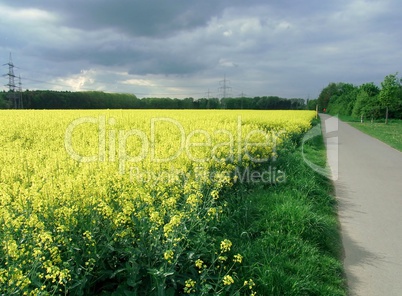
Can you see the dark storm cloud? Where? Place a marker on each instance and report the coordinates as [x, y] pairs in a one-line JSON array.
[[134, 17], [148, 23], [286, 47], [138, 18]]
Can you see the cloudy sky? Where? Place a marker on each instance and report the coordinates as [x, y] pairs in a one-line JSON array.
[[185, 48]]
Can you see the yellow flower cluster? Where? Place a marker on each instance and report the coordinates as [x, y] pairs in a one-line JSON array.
[[250, 283], [189, 286], [226, 245], [168, 255], [199, 263], [228, 280], [238, 258], [146, 178]]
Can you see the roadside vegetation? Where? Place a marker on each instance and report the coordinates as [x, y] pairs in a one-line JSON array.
[[390, 134], [366, 103], [375, 110], [89, 208], [289, 232]]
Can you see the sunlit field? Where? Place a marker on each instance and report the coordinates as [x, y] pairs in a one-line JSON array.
[[129, 202]]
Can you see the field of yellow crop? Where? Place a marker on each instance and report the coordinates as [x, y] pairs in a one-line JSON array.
[[127, 201]]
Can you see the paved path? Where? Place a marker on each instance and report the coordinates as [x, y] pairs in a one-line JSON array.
[[369, 193]]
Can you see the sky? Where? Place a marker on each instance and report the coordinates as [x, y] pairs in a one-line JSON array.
[[194, 48]]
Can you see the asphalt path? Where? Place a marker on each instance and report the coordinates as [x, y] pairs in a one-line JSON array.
[[368, 186]]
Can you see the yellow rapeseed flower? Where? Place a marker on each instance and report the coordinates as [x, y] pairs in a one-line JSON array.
[[226, 245], [199, 263], [117, 171], [237, 258], [228, 280], [168, 255], [189, 286]]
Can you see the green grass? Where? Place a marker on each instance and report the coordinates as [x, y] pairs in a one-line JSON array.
[[315, 151], [390, 133], [289, 232]]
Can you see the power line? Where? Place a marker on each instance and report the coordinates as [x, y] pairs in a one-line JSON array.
[[10, 74], [53, 83], [208, 93], [20, 104], [224, 89], [16, 99], [92, 89]]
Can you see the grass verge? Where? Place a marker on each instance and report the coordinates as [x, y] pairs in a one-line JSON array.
[[289, 232], [390, 133]]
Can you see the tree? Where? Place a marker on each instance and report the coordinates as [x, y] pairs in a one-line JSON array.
[[3, 101], [325, 95], [311, 104], [367, 102], [389, 93], [372, 108], [297, 104], [343, 99]]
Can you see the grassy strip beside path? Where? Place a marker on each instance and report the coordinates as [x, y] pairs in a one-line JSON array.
[[288, 232], [390, 133]]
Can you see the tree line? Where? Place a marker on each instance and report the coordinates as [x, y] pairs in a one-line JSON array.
[[46, 99], [366, 101]]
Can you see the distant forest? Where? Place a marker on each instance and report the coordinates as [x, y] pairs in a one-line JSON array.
[[46, 99]]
